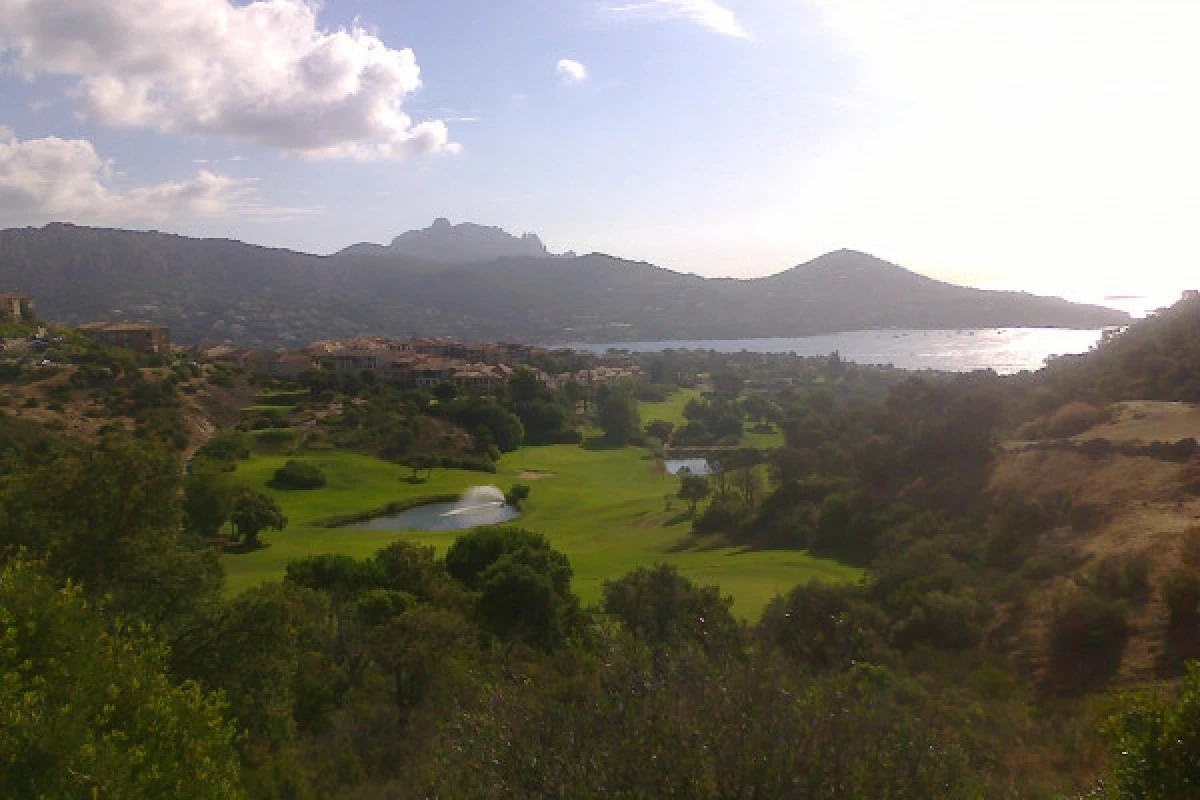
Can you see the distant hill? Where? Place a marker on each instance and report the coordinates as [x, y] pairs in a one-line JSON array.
[[222, 290], [444, 243]]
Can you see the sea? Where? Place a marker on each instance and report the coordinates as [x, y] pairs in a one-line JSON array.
[[1005, 350]]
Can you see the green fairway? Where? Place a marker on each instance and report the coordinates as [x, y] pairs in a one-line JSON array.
[[671, 409], [604, 508]]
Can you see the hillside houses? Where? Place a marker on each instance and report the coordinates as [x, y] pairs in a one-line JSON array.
[[421, 363], [143, 337]]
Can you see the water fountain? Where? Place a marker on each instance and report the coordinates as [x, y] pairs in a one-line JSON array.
[[478, 500], [479, 505]]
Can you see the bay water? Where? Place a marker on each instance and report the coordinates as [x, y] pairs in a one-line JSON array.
[[1005, 350]]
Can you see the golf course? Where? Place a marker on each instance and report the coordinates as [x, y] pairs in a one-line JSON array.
[[609, 510]]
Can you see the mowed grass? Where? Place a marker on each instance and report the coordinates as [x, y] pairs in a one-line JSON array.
[[605, 509], [671, 410]]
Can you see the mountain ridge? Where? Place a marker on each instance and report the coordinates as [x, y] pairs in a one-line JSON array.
[[465, 242], [225, 290]]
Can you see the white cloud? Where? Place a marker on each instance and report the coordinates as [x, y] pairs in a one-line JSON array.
[[708, 13], [263, 72], [571, 72], [60, 179]]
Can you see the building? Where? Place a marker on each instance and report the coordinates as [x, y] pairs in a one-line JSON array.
[[350, 361], [288, 365], [16, 308], [143, 337]]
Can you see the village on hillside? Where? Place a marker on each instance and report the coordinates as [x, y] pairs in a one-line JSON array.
[[424, 363], [414, 362]]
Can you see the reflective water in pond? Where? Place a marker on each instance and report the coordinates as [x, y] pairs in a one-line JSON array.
[[696, 466], [439, 517]]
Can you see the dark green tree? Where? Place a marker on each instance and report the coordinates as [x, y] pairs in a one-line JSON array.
[[207, 501], [108, 517], [693, 489], [618, 414], [661, 606], [526, 596], [255, 512], [472, 553]]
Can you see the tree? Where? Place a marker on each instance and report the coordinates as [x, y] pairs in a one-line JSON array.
[[472, 553], [661, 606], [693, 489], [524, 387], [254, 512], [526, 595], [517, 495], [660, 429], [108, 517], [87, 708], [421, 462], [618, 414], [207, 501]]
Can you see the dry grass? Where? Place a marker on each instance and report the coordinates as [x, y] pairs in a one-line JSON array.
[[1148, 421], [1145, 511]]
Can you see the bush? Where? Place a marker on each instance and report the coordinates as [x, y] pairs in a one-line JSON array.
[[1154, 742], [517, 495], [1181, 595], [1073, 419], [226, 446], [1121, 577], [1190, 548], [1087, 637], [298, 475]]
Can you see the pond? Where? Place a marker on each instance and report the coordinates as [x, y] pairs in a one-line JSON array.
[[439, 517], [695, 466]]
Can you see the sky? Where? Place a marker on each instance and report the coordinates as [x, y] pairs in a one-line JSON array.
[[1049, 146]]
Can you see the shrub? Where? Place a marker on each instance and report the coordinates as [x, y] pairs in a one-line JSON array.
[[226, 446], [298, 475], [1087, 637], [1073, 419], [1154, 742], [1190, 550], [1121, 577], [517, 495], [1181, 594]]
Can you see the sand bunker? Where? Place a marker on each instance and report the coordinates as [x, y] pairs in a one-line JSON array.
[[534, 476]]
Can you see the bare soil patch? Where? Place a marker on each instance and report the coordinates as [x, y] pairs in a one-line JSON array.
[[530, 475]]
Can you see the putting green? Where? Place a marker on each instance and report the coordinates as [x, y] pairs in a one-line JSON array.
[[605, 509]]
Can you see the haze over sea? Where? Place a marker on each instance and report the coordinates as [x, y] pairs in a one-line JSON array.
[[1005, 350]]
